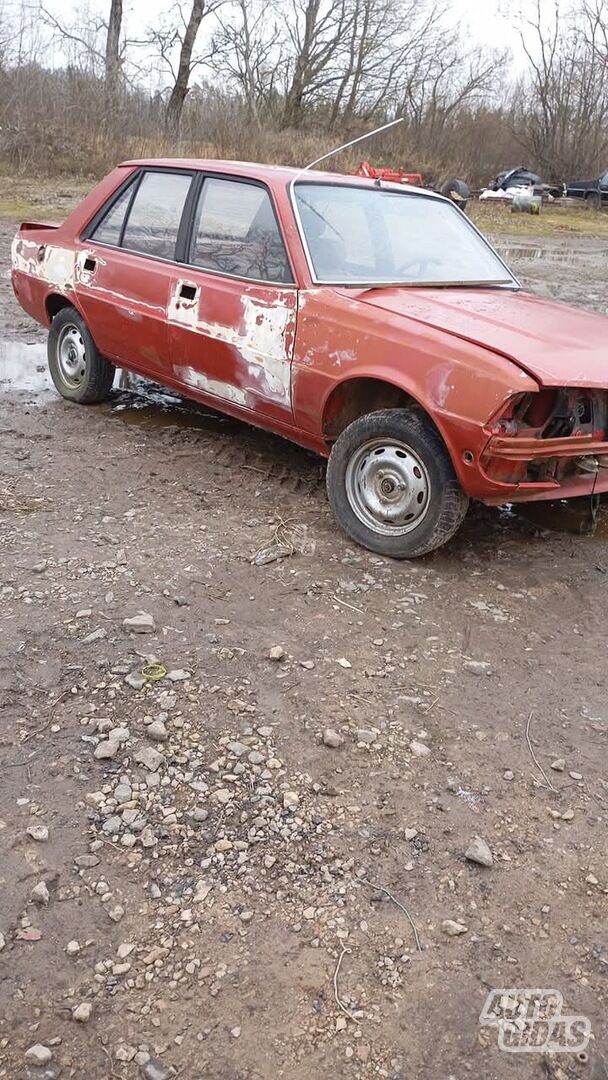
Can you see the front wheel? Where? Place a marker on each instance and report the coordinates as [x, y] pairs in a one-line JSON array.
[[77, 368], [593, 200], [392, 485]]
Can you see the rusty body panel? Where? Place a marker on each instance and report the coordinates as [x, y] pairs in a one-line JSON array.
[[302, 359]]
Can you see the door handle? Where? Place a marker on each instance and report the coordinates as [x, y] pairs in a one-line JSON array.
[[187, 292]]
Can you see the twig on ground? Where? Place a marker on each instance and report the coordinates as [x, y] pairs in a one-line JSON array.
[[381, 888], [340, 1003], [51, 717], [535, 759], [113, 1072], [351, 606]]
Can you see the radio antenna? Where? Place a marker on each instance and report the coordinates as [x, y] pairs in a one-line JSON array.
[[345, 146]]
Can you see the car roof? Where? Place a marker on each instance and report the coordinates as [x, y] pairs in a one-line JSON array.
[[272, 174]]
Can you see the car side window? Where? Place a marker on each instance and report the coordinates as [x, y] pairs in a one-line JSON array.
[[156, 213], [110, 227], [236, 232]]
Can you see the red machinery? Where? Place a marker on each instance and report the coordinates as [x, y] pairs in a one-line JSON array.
[[397, 176]]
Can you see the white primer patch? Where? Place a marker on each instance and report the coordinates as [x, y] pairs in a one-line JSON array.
[[262, 343], [221, 389]]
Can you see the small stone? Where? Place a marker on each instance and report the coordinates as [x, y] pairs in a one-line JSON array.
[[246, 916], [364, 736], [82, 1013], [106, 750], [223, 796], [290, 799], [95, 635], [150, 758], [178, 675], [136, 680], [201, 892], [411, 833], [479, 852], [269, 861], [507, 775], [116, 912], [308, 665], [591, 879], [2, 942], [72, 948], [332, 738], [153, 1069], [235, 1032], [559, 764], [142, 623], [38, 1055], [419, 749], [265, 731], [277, 652], [568, 815], [453, 928], [237, 748], [575, 775], [157, 731], [477, 667], [40, 833], [40, 894], [343, 662], [223, 845], [122, 793], [111, 825], [255, 758], [309, 913]]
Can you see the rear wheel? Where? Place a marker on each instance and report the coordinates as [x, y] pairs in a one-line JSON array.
[[392, 486], [77, 368]]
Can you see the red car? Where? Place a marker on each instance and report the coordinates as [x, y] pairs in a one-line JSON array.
[[368, 321]]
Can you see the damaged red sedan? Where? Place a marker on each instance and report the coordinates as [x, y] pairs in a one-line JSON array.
[[368, 321]]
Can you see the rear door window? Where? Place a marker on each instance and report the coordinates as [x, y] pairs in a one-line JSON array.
[[155, 215], [110, 227], [236, 232]]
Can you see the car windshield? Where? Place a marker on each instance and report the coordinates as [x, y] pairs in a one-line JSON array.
[[377, 236]]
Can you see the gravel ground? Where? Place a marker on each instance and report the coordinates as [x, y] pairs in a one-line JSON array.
[[191, 851]]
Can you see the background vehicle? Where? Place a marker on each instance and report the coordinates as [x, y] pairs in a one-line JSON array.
[[594, 192], [369, 322]]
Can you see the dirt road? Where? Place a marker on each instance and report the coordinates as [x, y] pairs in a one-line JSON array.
[[189, 864]]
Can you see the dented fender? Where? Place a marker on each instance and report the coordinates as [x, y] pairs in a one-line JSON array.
[[459, 384]]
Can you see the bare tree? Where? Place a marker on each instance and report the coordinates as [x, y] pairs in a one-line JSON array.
[[248, 50], [564, 99], [176, 44], [113, 57], [317, 30]]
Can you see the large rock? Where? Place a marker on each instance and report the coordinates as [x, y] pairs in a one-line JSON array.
[[479, 852], [142, 623]]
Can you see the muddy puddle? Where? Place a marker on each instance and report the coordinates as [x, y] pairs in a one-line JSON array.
[[560, 256], [23, 368], [134, 400]]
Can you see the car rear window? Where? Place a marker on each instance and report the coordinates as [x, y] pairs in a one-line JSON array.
[[154, 217], [236, 232], [110, 227]]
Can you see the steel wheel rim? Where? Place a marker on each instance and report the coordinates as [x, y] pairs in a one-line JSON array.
[[71, 356], [388, 487]]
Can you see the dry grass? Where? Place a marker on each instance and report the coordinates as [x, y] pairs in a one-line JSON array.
[[566, 218]]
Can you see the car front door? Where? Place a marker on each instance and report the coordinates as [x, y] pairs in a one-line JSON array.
[[233, 305], [125, 267], [604, 185]]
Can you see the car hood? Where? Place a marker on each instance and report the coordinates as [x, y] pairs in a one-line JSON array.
[[556, 344]]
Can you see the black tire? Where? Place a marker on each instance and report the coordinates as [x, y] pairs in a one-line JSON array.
[[413, 449], [87, 377], [593, 200]]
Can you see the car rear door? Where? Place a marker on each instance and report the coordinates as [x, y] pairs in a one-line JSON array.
[[233, 304], [125, 269]]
